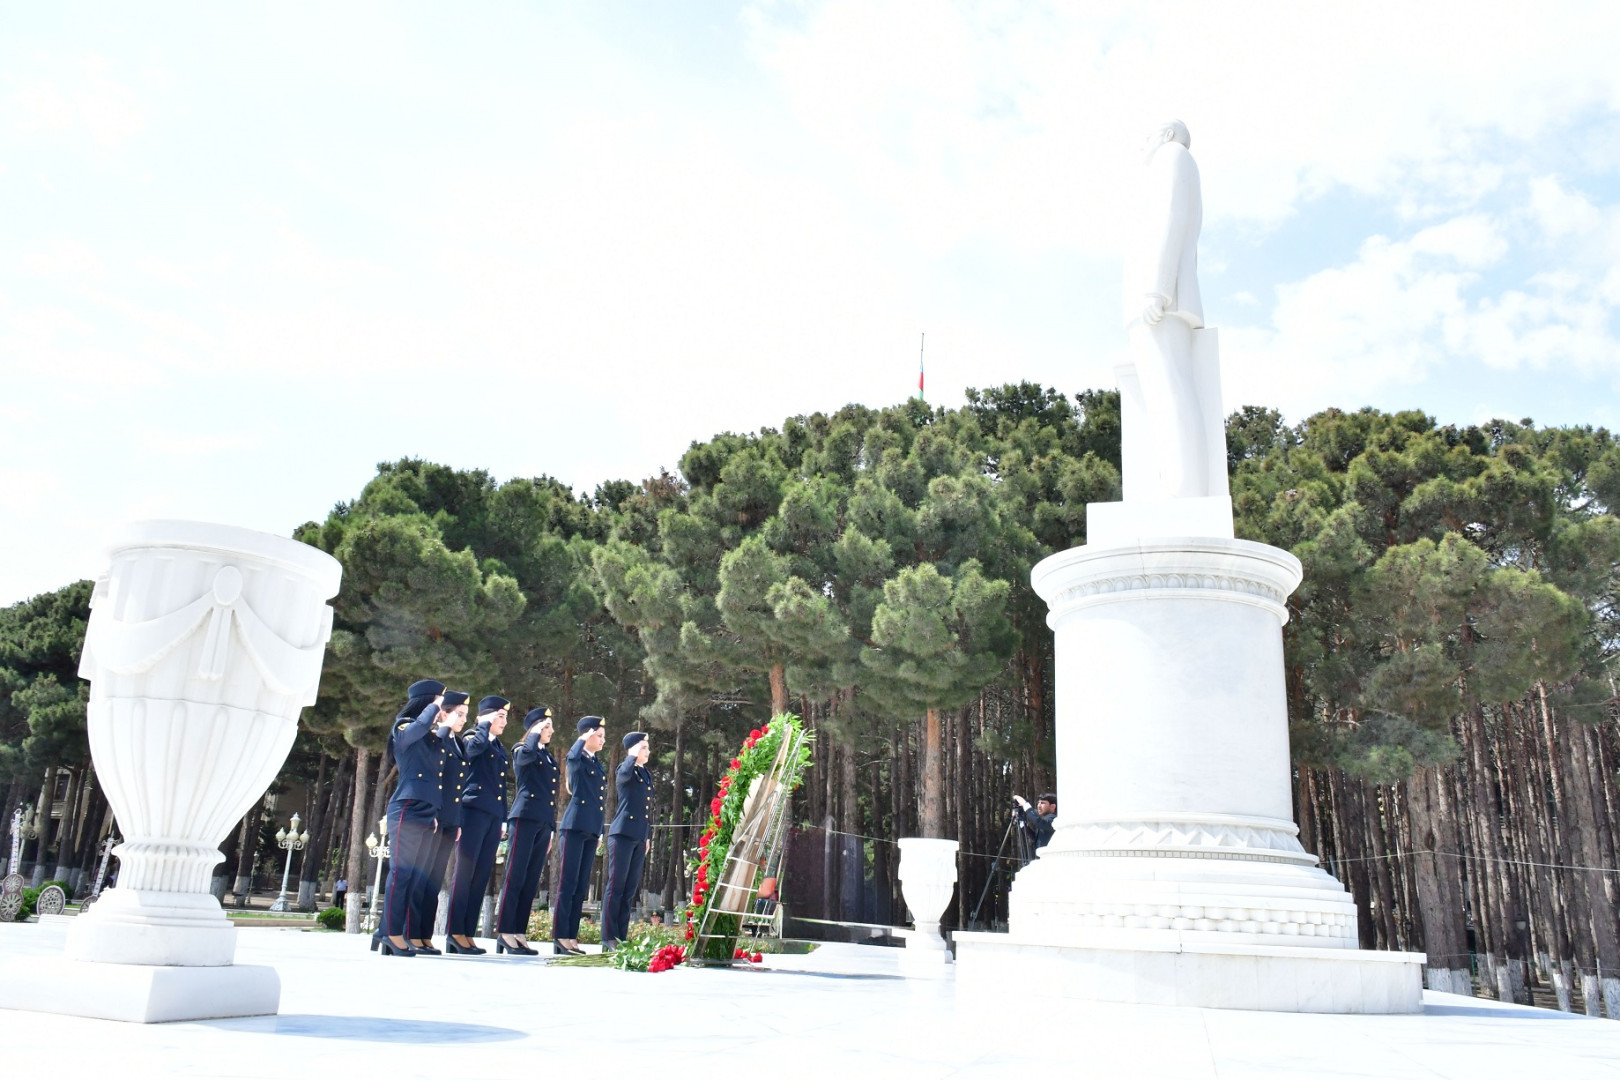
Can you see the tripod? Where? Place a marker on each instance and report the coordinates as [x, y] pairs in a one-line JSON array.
[[1018, 837]]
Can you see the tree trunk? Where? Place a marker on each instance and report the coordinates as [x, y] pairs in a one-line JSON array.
[[354, 871], [779, 695], [42, 822], [249, 853], [933, 793], [67, 827], [1439, 898], [309, 867]]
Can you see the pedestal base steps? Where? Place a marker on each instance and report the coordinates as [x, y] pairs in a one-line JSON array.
[[138, 993], [1120, 967]]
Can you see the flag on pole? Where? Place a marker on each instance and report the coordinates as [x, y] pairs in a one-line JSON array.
[[920, 344]]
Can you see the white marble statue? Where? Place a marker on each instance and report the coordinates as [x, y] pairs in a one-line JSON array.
[[1162, 310]]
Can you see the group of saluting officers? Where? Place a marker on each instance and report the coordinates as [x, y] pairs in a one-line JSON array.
[[452, 798]]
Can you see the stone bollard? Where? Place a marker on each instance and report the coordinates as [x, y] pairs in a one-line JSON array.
[[927, 880]]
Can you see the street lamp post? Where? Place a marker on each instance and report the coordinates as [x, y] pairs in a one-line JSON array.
[[376, 849], [288, 842]]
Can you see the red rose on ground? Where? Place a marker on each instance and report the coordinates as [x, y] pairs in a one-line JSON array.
[[758, 958]]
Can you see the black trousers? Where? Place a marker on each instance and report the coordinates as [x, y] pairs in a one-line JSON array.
[[527, 845], [475, 859], [412, 830], [578, 857], [425, 908], [627, 858]]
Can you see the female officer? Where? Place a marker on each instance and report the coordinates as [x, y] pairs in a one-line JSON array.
[[411, 810], [528, 831], [629, 839], [452, 775], [581, 829], [483, 814]]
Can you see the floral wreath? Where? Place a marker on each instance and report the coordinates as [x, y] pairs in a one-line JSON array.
[[755, 759]]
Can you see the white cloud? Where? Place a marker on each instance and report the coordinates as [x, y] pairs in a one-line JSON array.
[[1402, 310], [1019, 119], [75, 94]]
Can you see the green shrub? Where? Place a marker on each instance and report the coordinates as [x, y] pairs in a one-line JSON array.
[[331, 919]]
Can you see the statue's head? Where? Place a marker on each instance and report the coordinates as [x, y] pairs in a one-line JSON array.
[[1171, 131]]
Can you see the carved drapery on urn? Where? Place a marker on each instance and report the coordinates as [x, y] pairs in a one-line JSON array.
[[204, 643]]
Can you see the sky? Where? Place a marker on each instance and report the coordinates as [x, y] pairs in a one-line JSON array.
[[249, 251]]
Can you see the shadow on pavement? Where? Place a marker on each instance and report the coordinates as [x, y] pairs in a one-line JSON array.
[[380, 1029]]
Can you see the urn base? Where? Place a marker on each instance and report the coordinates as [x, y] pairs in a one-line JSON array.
[[138, 993], [159, 929]]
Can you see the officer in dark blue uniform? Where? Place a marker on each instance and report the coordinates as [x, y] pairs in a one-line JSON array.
[[629, 838], [529, 826], [411, 812], [581, 829], [452, 769], [483, 816]]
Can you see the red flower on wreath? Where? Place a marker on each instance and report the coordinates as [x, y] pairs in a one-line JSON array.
[[755, 734], [736, 763]]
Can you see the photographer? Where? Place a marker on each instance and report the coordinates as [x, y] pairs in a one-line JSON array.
[[1036, 821]]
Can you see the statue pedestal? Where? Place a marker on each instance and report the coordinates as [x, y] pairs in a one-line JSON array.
[[1175, 874]]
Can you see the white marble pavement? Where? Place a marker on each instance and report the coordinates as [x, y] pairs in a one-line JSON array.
[[841, 1012]]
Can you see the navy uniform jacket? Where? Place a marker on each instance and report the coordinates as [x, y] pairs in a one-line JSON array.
[[452, 777], [487, 769], [587, 777], [1038, 826], [633, 818], [418, 753], [536, 773]]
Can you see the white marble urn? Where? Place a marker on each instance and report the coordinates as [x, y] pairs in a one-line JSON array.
[[204, 643], [927, 880]]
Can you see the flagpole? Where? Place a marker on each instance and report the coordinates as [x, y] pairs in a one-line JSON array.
[[922, 342]]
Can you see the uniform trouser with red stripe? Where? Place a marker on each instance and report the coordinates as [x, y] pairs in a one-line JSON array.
[[627, 858], [412, 827], [527, 845], [577, 857], [425, 911], [475, 859]]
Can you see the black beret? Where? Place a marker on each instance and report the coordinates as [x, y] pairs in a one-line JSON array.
[[589, 723], [1048, 796], [493, 703], [452, 698], [536, 714], [425, 688], [634, 737]]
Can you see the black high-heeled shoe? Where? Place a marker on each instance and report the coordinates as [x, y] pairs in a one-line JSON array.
[[560, 949], [388, 948], [504, 946], [450, 946], [427, 949]]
